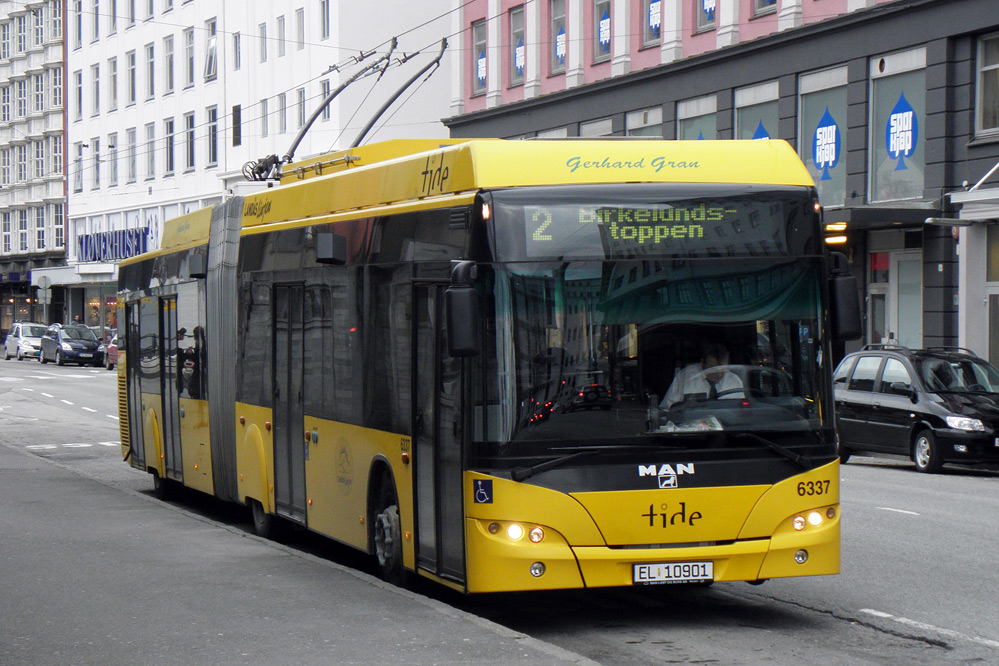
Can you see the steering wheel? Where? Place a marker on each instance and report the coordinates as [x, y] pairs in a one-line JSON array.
[[730, 391], [977, 387]]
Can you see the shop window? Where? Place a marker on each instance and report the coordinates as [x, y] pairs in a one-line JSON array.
[[898, 113], [601, 30], [764, 7], [559, 38], [756, 111], [697, 118], [652, 14], [479, 58], [644, 122], [822, 118], [705, 11], [518, 50]]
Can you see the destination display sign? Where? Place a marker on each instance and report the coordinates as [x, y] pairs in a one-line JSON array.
[[678, 228]]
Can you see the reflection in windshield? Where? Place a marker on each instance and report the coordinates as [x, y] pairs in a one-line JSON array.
[[959, 376], [618, 352], [78, 333]]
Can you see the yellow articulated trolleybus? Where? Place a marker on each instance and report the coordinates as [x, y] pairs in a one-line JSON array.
[[479, 361]]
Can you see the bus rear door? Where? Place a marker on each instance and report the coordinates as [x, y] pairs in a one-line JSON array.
[[288, 400]]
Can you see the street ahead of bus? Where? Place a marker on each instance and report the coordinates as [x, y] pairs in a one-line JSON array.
[[94, 570]]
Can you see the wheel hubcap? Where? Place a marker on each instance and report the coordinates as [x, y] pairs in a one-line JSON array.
[[386, 534], [922, 452]]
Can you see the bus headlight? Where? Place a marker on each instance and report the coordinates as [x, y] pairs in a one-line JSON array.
[[515, 531], [536, 535], [798, 523], [815, 519]]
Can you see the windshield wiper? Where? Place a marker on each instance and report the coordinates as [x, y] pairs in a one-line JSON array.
[[522, 473], [803, 461]]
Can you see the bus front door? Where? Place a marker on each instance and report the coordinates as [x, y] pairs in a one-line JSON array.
[[136, 450], [288, 400], [437, 440]]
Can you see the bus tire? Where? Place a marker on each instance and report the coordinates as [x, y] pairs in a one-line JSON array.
[[844, 454], [263, 522], [388, 535]]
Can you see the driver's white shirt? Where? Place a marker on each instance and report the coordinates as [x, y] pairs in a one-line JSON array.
[[691, 381]]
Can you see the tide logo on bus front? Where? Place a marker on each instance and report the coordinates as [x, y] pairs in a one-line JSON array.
[[665, 473], [675, 516]]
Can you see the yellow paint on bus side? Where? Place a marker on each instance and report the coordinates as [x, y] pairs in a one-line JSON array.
[[152, 440], [255, 455], [196, 452]]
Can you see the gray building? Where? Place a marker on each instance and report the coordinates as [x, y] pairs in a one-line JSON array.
[[893, 107]]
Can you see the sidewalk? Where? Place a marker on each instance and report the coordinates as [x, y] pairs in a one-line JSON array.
[[92, 574]]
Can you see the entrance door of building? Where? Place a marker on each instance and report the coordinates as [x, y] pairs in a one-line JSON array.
[[895, 306]]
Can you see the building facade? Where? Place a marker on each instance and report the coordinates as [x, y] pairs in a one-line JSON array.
[[167, 102], [32, 182], [893, 106]]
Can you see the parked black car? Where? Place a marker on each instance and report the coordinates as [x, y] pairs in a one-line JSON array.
[[71, 344], [589, 397], [937, 405]]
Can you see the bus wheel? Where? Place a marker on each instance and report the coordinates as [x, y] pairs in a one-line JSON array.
[[388, 536], [162, 488], [263, 522]]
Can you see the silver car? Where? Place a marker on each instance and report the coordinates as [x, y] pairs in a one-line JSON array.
[[24, 340]]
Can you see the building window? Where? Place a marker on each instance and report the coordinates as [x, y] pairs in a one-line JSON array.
[[189, 57], [130, 12], [213, 135], [150, 151], [189, 141], [150, 10], [112, 159], [95, 82], [4, 41], [756, 111], [130, 69], [822, 118], [168, 64], [78, 167], [40, 159], [112, 83], [39, 228], [263, 117], [112, 17], [898, 113], [237, 125], [324, 19], [601, 30], [987, 112], [77, 24], [282, 113], [78, 87], [22, 163], [38, 19], [96, 22], [600, 127], [697, 118], [169, 151], [301, 107], [5, 166], [55, 14], [5, 218], [211, 59], [262, 30], [518, 50], [479, 57], [150, 72], [5, 104], [764, 7], [57, 155], [58, 225], [20, 34], [39, 93], [644, 122], [559, 38], [95, 151], [57, 87], [280, 36], [22, 228], [130, 154], [236, 52], [705, 11], [21, 97], [324, 89], [299, 29], [652, 21]]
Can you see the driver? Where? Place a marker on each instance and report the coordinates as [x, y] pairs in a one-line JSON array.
[[707, 378]]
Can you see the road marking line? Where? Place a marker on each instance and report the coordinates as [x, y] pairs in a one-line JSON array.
[[109, 443], [112, 416], [929, 627], [48, 396], [27, 389], [78, 445], [40, 446], [89, 410], [888, 508], [67, 402]]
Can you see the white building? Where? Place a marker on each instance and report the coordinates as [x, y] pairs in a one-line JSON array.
[[32, 185], [167, 100]]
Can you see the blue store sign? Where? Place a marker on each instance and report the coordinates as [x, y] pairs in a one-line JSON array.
[[112, 246]]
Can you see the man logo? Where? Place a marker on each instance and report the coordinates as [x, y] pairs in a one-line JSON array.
[[665, 473]]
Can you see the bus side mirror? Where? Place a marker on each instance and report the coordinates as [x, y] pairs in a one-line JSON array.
[[461, 305], [844, 303]]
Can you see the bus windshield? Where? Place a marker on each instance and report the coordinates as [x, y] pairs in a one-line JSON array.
[[638, 352]]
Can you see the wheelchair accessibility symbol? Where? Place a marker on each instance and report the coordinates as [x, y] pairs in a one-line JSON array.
[[483, 491]]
